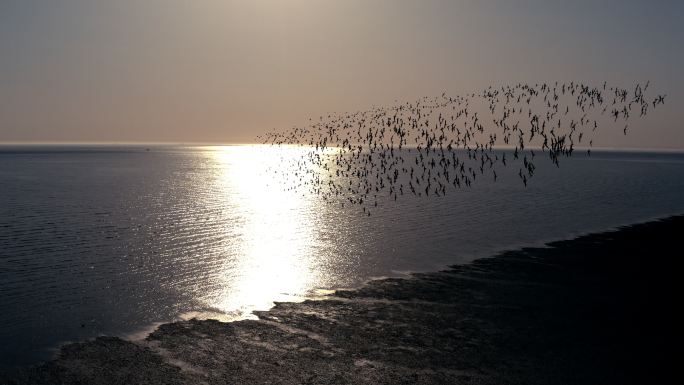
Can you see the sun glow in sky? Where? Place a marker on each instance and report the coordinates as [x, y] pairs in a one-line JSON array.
[[226, 71]]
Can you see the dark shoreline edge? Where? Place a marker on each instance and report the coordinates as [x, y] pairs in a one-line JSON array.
[[596, 309]]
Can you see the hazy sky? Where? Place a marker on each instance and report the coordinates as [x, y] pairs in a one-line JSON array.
[[225, 71]]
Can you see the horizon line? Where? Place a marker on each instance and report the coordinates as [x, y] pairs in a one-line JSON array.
[[221, 144]]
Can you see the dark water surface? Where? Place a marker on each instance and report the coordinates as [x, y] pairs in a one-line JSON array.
[[114, 240]]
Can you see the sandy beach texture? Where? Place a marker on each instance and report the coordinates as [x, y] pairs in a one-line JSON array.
[[599, 309]]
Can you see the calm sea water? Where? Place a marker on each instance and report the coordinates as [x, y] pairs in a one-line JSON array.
[[114, 240]]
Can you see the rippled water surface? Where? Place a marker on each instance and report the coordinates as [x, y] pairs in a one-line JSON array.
[[113, 240]]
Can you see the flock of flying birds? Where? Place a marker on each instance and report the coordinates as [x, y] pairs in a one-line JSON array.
[[435, 144]]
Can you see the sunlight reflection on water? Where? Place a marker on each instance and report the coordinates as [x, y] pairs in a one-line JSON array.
[[275, 230]]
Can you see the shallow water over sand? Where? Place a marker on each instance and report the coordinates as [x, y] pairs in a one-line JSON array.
[[111, 240]]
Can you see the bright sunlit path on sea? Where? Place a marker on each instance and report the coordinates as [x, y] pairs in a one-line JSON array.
[[272, 236]]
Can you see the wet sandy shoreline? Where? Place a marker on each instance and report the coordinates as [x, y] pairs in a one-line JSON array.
[[596, 309]]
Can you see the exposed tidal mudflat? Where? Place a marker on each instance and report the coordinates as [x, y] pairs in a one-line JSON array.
[[596, 309]]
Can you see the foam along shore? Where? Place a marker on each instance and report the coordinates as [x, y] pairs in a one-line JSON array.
[[596, 309]]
